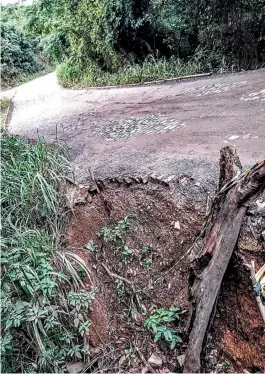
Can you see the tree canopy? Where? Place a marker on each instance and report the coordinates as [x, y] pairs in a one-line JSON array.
[[105, 35]]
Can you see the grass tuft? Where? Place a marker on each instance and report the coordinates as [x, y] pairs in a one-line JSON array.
[[4, 103], [72, 74]]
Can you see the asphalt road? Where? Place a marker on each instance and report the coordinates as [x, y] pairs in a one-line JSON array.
[[170, 128]]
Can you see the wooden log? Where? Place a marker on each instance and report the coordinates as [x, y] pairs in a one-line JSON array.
[[222, 230]]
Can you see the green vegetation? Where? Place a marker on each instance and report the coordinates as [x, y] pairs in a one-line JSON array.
[[150, 69], [22, 56], [158, 322], [110, 42], [147, 254], [44, 306], [4, 103], [115, 235], [120, 288]]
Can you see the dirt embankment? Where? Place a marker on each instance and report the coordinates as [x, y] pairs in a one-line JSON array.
[[152, 272]]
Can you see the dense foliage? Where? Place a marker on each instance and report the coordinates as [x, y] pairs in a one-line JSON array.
[[21, 54], [107, 34], [18, 54], [44, 306], [104, 36]]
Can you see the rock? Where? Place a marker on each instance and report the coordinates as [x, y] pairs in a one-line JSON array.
[[246, 136], [89, 198], [76, 367], [155, 360], [251, 212], [145, 179], [93, 188], [177, 225], [153, 177], [212, 357], [127, 180], [260, 206], [136, 179], [181, 360], [171, 178], [184, 181], [76, 195], [233, 137]]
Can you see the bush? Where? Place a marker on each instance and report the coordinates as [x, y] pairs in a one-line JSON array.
[[107, 33], [44, 307], [22, 55], [18, 54]]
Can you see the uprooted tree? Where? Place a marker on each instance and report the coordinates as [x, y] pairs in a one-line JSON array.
[[236, 193]]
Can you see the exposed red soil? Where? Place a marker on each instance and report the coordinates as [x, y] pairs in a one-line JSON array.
[[238, 326], [117, 320]]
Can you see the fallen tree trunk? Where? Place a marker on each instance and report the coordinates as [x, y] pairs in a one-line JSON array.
[[222, 230]]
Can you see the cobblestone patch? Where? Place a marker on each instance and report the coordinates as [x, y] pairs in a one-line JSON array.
[[130, 127], [259, 95], [214, 88]]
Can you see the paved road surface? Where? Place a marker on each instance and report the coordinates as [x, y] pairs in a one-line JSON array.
[[168, 128]]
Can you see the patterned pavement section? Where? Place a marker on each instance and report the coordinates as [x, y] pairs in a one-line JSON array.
[[259, 95], [128, 128]]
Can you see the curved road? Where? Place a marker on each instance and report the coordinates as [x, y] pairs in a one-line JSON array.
[[168, 128]]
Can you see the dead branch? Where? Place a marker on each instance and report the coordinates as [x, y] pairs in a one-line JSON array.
[[236, 192], [114, 275], [147, 365]]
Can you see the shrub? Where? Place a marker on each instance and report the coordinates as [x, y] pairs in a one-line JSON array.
[[18, 54], [44, 304]]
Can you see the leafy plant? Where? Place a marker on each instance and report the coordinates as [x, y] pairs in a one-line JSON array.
[[81, 300], [92, 246], [44, 311], [147, 252], [110, 42], [120, 288], [148, 262], [158, 322], [115, 234]]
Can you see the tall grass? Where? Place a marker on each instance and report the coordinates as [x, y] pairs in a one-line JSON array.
[[4, 103], [71, 74], [44, 306], [31, 175]]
